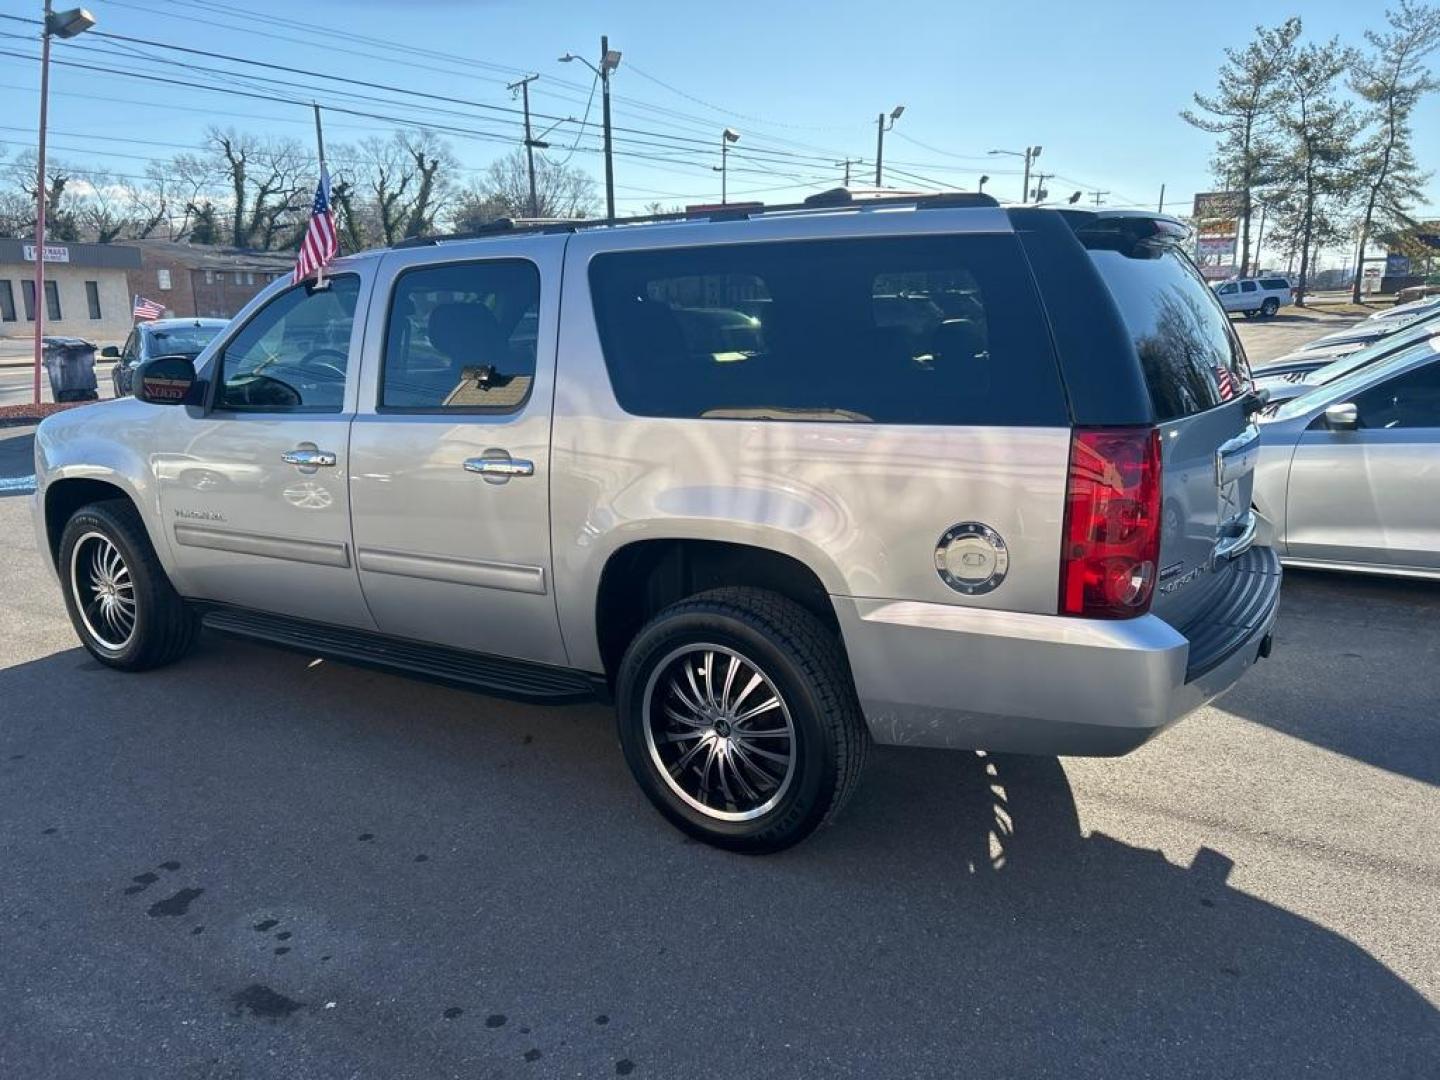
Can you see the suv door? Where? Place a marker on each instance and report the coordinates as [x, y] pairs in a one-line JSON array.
[[451, 451], [1229, 295], [1198, 380], [1250, 298], [253, 489], [1371, 495]]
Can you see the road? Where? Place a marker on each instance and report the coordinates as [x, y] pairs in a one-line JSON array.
[[256, 864]]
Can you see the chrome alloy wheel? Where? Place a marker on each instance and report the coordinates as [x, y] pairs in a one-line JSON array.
[[104, 591], [719, 732]]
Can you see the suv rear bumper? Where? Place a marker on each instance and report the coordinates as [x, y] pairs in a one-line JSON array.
[[936, 675]]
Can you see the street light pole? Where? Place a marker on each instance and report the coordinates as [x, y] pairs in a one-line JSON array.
[[65, 25], [880, 130], [727, 136], [1030, 153], [609, 160], [609, 61], [524, 86]]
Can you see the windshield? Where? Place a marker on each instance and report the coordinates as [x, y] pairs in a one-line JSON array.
[[1341, 388], [1386, 346], [182, 340]]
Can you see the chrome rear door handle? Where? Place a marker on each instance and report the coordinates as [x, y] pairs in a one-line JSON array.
[[500, 468], [308, 458]]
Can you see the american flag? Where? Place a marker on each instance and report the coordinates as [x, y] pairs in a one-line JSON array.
[[146, 309], [1225, 382], [321, 241]]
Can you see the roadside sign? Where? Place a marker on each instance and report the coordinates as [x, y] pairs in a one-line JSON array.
[[56, 253]]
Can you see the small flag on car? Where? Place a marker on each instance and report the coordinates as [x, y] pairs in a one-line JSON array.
[[321, 242], [145, 310], [1225, 382]]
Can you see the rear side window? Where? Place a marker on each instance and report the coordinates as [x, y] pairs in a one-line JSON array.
[[1247, 286], [913, 330], [462, 337], [1274, 283], [1182, 335]]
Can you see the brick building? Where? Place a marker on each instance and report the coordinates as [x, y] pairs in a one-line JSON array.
[[86, 291], [201, 280]]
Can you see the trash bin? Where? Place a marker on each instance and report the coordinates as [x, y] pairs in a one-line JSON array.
[[70, 363]]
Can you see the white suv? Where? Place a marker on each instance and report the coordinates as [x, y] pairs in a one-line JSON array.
[[1255, 296]]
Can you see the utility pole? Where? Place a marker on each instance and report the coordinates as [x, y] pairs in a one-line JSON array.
[[609, 153], [727, 136], [1040, 192], [880, 130], [1098, 196], [609, 61], [1161, 208], [1030, 153], [319, 136], [524, 87], [847, 163]]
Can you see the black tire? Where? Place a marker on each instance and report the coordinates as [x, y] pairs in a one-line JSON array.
[[801, 661], [1269, 308], [161, 626]]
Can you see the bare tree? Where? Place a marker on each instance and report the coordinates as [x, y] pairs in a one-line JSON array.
[[101, 212], [263, 178], [1391, 79], [1242, 111], [560, 190]]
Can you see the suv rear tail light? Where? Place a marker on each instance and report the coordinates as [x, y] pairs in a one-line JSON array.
[[1112, 523]]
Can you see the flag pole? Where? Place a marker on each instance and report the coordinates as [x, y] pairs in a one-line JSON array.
[[320, 148]]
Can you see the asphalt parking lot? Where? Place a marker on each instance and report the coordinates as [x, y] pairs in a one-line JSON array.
[[255, 864], [1292, 327]]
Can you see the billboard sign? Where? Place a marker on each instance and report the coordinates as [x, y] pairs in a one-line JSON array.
[[1217, 218]]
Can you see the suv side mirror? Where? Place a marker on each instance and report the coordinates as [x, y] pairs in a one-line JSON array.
[[1343, 417], [110, 352], [166, 380]]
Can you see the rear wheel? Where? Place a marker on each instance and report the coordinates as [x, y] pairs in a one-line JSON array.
[[1270, 307], [738, 718], [120, 602]]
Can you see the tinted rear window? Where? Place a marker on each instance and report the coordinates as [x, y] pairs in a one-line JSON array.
[[1274, 283], [1182, 335], [922, 330]]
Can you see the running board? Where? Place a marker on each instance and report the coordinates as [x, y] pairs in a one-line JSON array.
[[521, 680]]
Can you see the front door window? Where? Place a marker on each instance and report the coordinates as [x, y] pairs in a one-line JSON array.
[[292, 356]]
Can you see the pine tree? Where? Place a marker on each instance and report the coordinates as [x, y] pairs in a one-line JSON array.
[[1242, 112], [1391, 79], [1315, 174]]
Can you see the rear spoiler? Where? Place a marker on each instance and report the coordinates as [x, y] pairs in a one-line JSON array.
[[1129, 232]]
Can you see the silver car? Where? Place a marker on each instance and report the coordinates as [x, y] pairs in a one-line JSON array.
[[1294, 378], [1349, 474], [780, 483]]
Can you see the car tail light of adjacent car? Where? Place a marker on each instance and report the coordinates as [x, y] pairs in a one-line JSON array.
[[1112, 523]]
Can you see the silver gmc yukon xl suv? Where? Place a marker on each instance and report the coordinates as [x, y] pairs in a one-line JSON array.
[[780, 483]]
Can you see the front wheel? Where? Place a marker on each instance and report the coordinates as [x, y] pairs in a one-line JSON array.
[[123, 607], [738, 717]]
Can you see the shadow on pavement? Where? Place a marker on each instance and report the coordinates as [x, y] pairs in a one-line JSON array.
[[462, 884], [17, 461], [1356, 670]]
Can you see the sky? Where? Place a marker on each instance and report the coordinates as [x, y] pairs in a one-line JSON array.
[[801, 83]]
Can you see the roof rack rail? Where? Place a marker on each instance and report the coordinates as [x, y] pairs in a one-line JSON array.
[[835, 198]]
